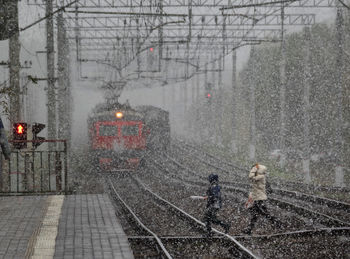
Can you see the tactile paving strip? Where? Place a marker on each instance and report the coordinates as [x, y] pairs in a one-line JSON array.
[[44, 246]]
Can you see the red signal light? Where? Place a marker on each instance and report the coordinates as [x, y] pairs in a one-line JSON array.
[[19, 134], [151, 49], [20, 129], [208, 95]]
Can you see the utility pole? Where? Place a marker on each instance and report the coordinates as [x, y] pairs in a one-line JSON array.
[[207, 110], [138, 46], [213, 73], [252, 107], [14, 67], [283, 93], [198, 105], [51, 95], [224, 46], [234, 105], [165, 82], [77, 40], [189, 36], [173, 106], [60, 75], [220, 102], [160, 35], [63, 92], [220, 72], [306, 105], [185, 96], [198, 75], [193, 93], [339, 145]]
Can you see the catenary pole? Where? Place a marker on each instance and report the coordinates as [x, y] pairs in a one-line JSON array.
[[306, 105], [234, 105], [282, 93], [64, 89], [60, 75], [339, 145], [252, 106], [14, 69], [51, 93]]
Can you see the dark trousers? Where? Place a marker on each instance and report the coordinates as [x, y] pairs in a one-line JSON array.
[[210, 217], [259, 209]]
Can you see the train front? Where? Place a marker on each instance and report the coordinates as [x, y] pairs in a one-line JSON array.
[[118, 140]]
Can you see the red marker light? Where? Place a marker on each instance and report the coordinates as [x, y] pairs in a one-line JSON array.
[[151, 49], [20, 129], [208, 95]]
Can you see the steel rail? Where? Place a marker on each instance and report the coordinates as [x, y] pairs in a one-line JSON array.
[[325, 219], [327, 201], [139, 221], [239, 245], [313, 232], [203, 183], [241, 248]]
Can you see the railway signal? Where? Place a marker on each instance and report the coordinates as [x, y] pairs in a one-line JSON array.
[[151, 57], [36, 128], [209, 91], [19, 131]]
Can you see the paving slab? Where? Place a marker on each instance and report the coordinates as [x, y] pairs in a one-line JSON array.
[[89, 228], [20, 217], [57, 226]]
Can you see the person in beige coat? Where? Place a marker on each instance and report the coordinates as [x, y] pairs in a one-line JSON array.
[[257, 176]]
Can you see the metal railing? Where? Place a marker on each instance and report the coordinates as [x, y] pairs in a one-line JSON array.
[[40, 170]]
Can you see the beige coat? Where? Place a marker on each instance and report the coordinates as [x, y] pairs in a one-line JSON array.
[[258, 179]]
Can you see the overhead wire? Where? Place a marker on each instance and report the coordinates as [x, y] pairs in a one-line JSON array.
[[149, 26]]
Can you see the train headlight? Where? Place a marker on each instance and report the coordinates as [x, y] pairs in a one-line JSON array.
[[119, 115]]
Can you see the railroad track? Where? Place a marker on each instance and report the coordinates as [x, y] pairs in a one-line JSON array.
[[313, 214], [170, 178], [295, 186], [172, 232], [328, 209]]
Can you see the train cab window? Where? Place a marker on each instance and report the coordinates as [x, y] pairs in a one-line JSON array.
[[108, 130], [130, 130]]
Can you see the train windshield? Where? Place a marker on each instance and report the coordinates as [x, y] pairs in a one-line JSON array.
[[108, 130], [130, 130]]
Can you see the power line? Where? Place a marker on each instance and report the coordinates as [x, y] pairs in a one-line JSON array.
[[340, 1], [257, 5], [47, 16]]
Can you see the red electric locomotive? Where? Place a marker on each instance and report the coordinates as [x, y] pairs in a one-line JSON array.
[[120, 135]]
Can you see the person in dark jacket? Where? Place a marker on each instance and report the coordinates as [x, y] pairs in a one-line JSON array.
[[5, 147], [6, 150], [214, 204]]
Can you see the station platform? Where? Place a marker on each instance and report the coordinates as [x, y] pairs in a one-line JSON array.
[[58, 226]]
